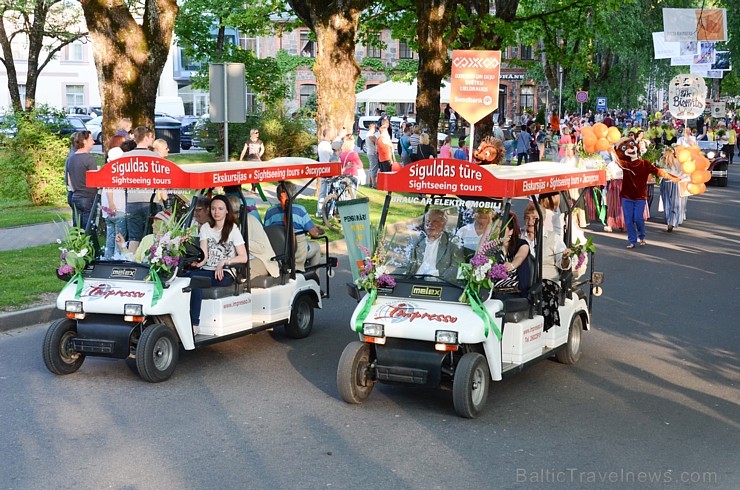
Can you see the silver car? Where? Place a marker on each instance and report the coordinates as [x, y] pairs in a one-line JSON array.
[[95, 126]]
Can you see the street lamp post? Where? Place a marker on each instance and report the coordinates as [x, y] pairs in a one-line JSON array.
[[560, 94]]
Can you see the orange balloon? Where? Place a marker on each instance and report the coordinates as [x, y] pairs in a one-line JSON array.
[[702, 162], [589, 148], [683, 155], [689, 166], [695, 151], [602, 144], [697, 176], [613, 135], [696, 188], [587, 130], [589, 139], [600, 130]]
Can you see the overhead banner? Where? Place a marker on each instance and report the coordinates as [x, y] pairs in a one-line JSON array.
[[687, 96], [722, 61], [355, 216], [706, 54], [695, 24], [665, 49], [475, 81]]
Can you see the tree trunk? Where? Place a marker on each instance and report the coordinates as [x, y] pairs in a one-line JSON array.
[[336, 70], [9, 63], [435, 35], [129, 57]]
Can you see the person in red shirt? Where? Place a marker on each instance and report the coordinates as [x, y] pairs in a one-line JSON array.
[[634, 188]]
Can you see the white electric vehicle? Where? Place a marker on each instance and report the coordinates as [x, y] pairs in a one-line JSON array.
[[419, 332], [116, 314]]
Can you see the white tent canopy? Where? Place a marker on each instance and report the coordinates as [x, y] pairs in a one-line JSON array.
[[397, 92]]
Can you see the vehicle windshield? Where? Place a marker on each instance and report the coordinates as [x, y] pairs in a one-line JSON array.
[[426, 238]]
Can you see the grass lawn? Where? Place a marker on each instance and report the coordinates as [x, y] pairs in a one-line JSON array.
[[24, 213], [21, 286]]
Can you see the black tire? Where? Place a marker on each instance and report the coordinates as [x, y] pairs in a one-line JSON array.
[[573, 348], [157, 353], [363, 146], [59, 354], [330, 212], [470, 385], [301, 318], [353, 375], [99, 140], [721, 181], [185, 146]]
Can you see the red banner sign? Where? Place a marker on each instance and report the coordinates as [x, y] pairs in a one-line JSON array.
[[144, 172], [461, 178]]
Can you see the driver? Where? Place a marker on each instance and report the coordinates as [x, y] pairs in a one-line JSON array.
[[435, 252]]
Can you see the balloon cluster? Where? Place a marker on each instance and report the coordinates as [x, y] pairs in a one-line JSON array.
[[599, 137], [696, 165]]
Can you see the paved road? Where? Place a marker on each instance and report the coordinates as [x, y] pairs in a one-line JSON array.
[[655, 397]]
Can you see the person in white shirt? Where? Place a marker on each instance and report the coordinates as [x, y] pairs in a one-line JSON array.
[[325, 153], [472, 234], [435, 252]]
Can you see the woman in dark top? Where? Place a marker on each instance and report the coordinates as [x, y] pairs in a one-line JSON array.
[[77, 166], [514, 251], [424, 150]]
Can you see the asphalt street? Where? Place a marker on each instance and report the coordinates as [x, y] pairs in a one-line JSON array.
[[653, 403]]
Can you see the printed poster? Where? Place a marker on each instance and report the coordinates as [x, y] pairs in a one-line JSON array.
[[695, 24]]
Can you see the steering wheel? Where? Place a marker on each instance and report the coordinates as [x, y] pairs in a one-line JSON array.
[[193, 254]]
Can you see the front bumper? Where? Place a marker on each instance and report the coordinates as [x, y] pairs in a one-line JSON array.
[[409, 362]]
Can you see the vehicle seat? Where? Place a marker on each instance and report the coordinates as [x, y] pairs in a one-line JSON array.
[[269, 281], [278, 239], [223, 291]]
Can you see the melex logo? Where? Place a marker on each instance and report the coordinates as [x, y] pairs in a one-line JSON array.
[[464, 62], [433, 291], [127, 272], [407, 311], [104, 291]]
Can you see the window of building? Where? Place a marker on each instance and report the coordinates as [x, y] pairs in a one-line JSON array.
[[404, 51], [308, 47], [527, 52], [75, 52], [504, 53], [188, 63], [251, 101], [249, 43], [373, 51], [22, 91], [307, 91], [526, 99], [75, 95]]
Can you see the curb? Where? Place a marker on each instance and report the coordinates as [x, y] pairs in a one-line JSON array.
[[31, 316]]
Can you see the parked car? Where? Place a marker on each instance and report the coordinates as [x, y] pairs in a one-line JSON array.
[[204, 134], [718, 162], [95, 126], [82, 117], [186, 130]]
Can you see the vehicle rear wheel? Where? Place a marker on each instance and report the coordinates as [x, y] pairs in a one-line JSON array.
[[60, 356], [301, 318], [363, 146], [572, 351], [185, 146], [330, 212], [722, 182], [157, 353], [470, 385], [353, 373]]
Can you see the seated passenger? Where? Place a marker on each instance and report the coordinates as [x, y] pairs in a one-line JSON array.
[[223, 245], [142, 251], [553, 263], [202, 210], [514, 252], [472, 234], [250, 203], [302, 224], [260, 250], [435, 252]]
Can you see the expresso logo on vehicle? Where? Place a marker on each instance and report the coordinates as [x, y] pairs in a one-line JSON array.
[[431, 291], [408, 312], [126, 272]]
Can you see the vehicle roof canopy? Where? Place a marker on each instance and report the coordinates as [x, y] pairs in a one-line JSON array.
[[146, 172], [462, 178]]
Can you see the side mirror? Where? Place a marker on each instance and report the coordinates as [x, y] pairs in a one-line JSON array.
[[353, 291]]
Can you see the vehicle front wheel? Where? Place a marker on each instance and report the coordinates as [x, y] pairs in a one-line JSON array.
[[354, 379], [572, 351], [60, 356], [157, 353], [470, 385], [301, 318], [185, 146], [330, 212]]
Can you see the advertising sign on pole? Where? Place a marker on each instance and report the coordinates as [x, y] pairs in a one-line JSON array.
[[600, 103], [687, 96], [475, 77]]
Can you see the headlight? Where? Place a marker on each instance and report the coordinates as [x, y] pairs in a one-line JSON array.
[[445, 337], [74, 310], [373, 329], [711, 155], [73, 306], [133, 313]]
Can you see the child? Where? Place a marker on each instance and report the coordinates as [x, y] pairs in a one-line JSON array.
[[462, 152]]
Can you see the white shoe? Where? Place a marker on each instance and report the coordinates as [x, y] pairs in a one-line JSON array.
[[196, 330]]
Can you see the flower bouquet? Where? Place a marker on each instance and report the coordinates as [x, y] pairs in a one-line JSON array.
[[165, 253], [579, 251], [76, 253], [373, 270], [484, 267]]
